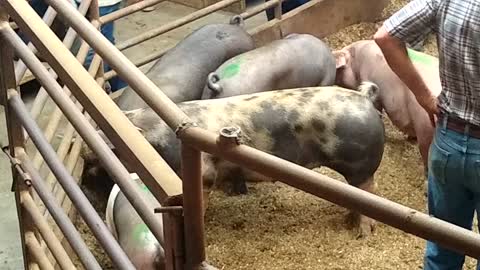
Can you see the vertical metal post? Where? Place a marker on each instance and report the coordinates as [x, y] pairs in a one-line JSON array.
[[94, 14], [15, 133], [193, 207], [278, 10], [174, 241]]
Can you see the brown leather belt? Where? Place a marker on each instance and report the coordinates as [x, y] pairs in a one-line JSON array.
[[459, 125]]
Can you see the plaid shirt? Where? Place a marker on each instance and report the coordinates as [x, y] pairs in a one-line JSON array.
[[457, 25]]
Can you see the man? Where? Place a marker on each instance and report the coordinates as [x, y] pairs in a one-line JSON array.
[[454, 160]]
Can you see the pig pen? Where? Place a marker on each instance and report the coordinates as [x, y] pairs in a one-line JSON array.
[[279, 227], [272, 226]]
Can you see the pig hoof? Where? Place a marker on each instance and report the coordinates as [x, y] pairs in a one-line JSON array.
[[366, 227], [239, 189]]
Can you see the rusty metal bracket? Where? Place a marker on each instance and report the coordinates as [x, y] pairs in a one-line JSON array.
[[169, 209], [231, 136], [17, 165], [184, 125]]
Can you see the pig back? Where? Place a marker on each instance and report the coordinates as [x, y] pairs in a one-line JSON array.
[[182, 71]]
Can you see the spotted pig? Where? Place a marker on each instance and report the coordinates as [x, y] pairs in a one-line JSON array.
[[318, 126]]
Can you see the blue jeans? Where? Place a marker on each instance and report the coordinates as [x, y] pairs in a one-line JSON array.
[[453, 189], [287, 5], [108, 31]]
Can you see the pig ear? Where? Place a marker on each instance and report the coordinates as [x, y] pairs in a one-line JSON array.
[[340, 59]]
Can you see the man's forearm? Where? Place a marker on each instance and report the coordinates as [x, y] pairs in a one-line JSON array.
[[396, 55]]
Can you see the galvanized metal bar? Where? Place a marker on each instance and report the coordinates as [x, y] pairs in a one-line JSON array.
[[64, 223], [127, 11], [94, 14], [42, 95], [93, 139], [193, 207], [278, 10], [20, 68], [33, 266], [36, 251], [14, 131], [174, 241], [260, 8], [376, 207], [175, 24], [75, 152], [146, 60], [42, 225], [86, 210], [150, 166], [70, 165], [57, 114]]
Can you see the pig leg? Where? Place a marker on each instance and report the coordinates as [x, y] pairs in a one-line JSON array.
[[365, 224], [232, 180]]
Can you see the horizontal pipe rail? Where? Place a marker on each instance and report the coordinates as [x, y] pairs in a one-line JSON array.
[[127, 11], [154, 56], [175, 24], [339, 193], [56, 115], [61, 219], [259, 9], [146, 60], [86, 210], [70, 36], [386, 211], [146, 89], [43, 227], [21, 68], [93, 140], [36, 251], [150, 166]]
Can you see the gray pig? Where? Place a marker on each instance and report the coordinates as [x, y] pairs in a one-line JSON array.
[[182, 71], [298, 60], [312, 127], [138, 242]]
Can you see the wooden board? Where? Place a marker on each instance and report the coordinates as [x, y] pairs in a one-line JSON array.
[[320, 18], [199, 4]]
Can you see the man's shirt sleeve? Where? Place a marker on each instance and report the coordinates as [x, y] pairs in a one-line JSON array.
[[414, 22]]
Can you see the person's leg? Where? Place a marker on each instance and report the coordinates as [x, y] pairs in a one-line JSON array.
[[448, 197]]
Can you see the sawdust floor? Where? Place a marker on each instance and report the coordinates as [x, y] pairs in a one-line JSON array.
[[279, 227]]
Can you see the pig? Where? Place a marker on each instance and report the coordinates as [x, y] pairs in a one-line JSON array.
[[138, 242], [312, 127], [298, 60], [182, 71], [363, 60]]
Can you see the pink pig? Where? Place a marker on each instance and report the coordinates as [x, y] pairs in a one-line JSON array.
[[364, 61]]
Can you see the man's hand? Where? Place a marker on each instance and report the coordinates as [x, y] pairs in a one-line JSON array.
[[396, 55], [430, 104]]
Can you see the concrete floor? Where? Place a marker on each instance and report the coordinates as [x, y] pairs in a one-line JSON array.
[[10, 246]]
